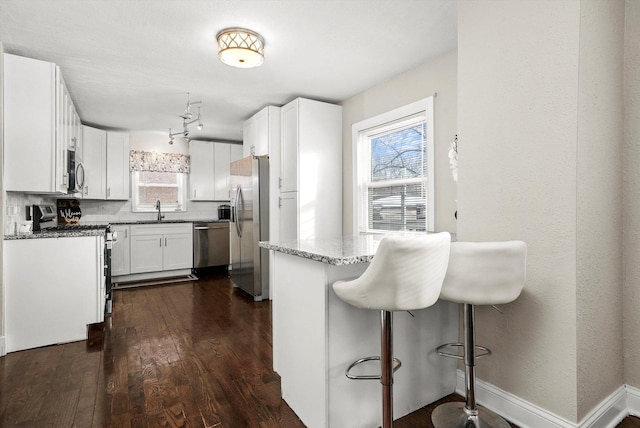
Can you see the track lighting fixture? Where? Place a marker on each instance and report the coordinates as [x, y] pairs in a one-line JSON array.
[[187, 119]]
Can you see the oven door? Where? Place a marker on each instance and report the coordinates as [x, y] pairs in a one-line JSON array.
[[108, 245]]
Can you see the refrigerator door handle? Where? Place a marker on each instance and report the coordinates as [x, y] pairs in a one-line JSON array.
[[238, 211]]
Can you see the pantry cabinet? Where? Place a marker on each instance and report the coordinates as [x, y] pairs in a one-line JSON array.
[[310, 170], [40, 126], [156, 247], [209, 177]]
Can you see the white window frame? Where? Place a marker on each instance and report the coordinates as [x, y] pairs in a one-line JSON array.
[[362, 159], [138, 207]]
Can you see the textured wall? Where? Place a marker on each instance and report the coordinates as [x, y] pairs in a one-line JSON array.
[[438, 75], [632, 194], [599, 178], [517, 126]]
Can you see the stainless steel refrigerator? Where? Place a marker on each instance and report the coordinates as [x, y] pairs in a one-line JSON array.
[[249, 225]]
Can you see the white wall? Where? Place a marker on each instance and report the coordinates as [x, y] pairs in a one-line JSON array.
[[631, 187], [539, 119], [437, 76], [599, 202]]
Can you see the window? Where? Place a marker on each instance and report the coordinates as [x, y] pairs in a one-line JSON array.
[[166, 187], [394, 170]]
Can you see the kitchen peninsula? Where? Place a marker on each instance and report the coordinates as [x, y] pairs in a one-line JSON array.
[[316, 336]]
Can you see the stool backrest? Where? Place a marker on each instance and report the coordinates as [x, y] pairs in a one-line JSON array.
[[485, 273], [406, 273]]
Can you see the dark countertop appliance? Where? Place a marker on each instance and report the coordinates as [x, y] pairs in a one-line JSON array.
[[224, 212], [41, 213]]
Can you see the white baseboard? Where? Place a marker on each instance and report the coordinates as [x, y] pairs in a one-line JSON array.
[[624, 401], [633, 400], [3, 349]]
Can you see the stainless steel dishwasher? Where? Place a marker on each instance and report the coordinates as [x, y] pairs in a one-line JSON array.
[[210, 244]]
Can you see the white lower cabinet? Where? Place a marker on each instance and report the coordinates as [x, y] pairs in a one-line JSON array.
[[161, 247], [120, 252], [54, 287]]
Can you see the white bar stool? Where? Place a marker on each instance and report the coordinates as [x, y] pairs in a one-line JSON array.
[[405, 274], [479, 273]]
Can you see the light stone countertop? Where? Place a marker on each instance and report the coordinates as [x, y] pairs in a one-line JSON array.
[[338, 252]]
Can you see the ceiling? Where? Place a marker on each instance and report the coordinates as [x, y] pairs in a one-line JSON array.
[[128, 64]]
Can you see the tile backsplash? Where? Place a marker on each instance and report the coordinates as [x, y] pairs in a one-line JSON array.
[[95, 211], [16, 211]]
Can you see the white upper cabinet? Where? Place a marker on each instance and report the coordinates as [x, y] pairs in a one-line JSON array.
[[117, 166], [236, 152], [38, 118], [105, 156], [94, 159], [222, 158], [209, 177], [311, 167], [261, 132], [201, 177]]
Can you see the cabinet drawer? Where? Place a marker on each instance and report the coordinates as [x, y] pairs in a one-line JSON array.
[[160, 229]]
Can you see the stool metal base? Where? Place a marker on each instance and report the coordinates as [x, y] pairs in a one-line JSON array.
[[455, 415]]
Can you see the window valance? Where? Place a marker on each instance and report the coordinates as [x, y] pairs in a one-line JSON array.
[[159, 162]]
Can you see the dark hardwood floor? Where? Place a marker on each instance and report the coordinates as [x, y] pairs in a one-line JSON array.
[[195, 354]]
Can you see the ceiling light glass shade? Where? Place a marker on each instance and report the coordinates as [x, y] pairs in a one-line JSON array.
[[240, 47]]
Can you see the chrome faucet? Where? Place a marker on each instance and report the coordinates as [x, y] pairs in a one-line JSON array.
[[160, 216]]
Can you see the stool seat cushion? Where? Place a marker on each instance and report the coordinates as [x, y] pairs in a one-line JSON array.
[[485, 273], [406, 273]]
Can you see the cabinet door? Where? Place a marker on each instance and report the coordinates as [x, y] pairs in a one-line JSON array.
[[288, 216], [62, 133], [178, 251], [201, 178], [146, 253], [236, 152], [94, 159], [52, 290], [262, 132], [29, 125], [222, 159], [120, 253], [248, 137], [117, 166], [289, 148]]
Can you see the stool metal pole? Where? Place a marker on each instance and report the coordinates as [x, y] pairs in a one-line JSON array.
[[470, 359], [386, 363], [468, 414]]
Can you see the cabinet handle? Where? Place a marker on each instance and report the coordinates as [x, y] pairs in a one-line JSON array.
[[165, 242], [160, 242], [195, 192], [108, 191], [279, 202], [280, 182], [125, 233], [86, 190]]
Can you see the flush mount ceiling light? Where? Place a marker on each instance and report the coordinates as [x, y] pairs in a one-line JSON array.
[[187, 119], [239, 47]]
